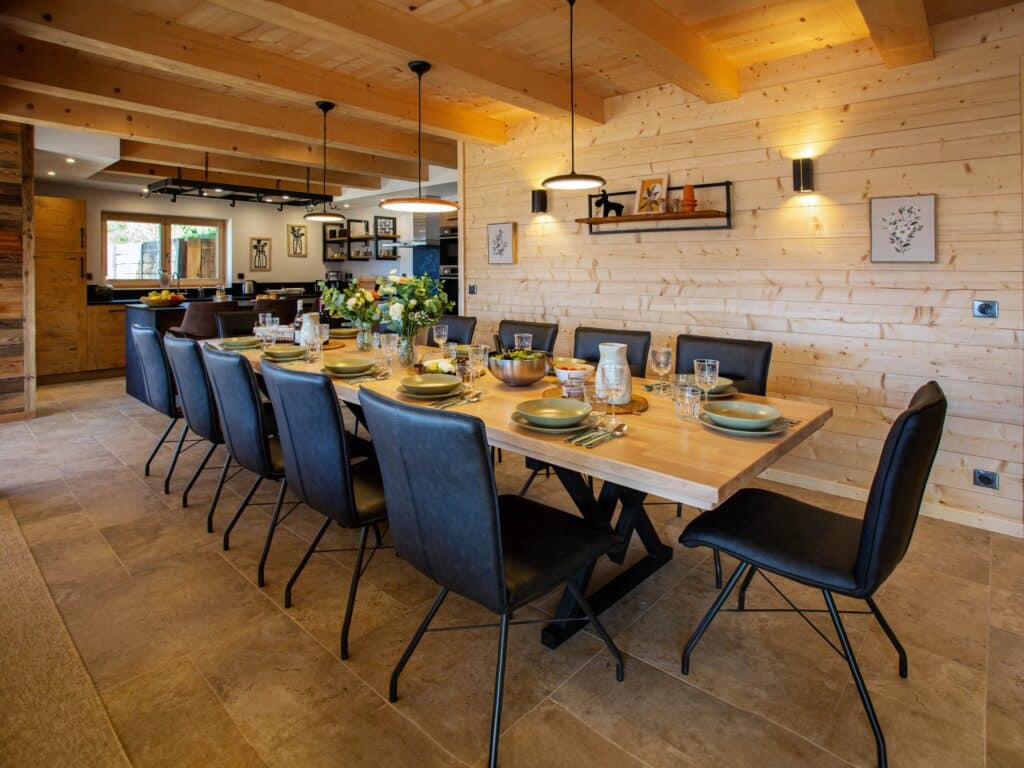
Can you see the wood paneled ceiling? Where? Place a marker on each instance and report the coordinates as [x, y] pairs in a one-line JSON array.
[[237, 78]]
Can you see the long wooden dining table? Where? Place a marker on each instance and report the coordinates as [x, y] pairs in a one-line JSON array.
[[682, 461]]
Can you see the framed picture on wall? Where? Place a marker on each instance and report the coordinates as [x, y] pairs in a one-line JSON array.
[[358, 228], [385, 226], [501, 243], [903, 229], [650, 195], [259, 254], [296, 241]]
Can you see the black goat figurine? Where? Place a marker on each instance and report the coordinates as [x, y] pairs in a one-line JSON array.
[[608, 208]]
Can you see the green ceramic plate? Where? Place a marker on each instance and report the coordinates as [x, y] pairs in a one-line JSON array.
[[412, 395], [350, 365], [240, 342], [777, 427], [344, 333], [284, 352], [553, 412], [741, 414], [723, 384], [431, 383], [587, 423], [335, 375]]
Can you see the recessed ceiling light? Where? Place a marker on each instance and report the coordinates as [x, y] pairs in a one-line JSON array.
[[144, 188], [218, 189], [346, 205], [69, 160], [285, 197], [205, 194], [51, 173]]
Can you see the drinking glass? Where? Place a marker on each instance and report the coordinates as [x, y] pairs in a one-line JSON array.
[[613, 382], [440, 332], [325, 333], [272, 326], [388, 348], [524, 341], [686, 400], [313, 346], [449, 350], [477, 360], [596, 397], [661, 362], [705, 374]]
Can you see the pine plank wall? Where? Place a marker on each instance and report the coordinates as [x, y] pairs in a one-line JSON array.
[[795, 269]]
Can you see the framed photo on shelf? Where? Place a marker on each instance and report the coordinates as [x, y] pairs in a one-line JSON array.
[[335, 232], [259, 254], [651, 195], [358, 228], [296, 241], [903, 229], [501, 243], [385, 226]]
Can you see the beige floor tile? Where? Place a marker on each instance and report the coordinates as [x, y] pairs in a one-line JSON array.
[[1005, 734], [952, 549], [170, 718], [1008, 564]]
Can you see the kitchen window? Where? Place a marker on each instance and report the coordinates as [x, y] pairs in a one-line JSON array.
[[137, 247]]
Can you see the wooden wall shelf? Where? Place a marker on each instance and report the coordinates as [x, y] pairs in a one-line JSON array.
[[599, 225]]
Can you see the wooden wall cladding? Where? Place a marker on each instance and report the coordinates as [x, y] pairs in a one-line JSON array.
[[795, 269], [17, 359]]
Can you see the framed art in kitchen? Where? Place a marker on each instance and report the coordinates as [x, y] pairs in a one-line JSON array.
[[259, 254]]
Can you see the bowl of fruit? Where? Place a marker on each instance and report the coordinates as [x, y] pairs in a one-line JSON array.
[[163, 298]]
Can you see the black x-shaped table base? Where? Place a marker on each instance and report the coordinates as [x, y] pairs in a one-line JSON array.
[[632, 519]]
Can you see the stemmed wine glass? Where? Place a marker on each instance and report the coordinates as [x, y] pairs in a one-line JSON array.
[[613, 384], [661, 362], [705, 374], [524, 341], [440, 332], [477, 360], [388, 349]]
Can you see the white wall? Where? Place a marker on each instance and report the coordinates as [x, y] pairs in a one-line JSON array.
[[243, 221]]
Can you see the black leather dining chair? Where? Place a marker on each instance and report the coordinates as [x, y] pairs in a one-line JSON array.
[[500, 552], [158, 385], [544, 334], [586, 346], [239, 323], [460, 329], [772, 533], [745, 361], [247, 436], [319, 465]]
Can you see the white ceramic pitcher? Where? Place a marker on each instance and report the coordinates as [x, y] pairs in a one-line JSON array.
[[612, 352]]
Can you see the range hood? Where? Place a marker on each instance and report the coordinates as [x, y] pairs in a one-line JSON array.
[[426, 230]]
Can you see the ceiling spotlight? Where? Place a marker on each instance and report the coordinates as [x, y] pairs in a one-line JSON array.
[[285, 197], [69, 160], [345, 205], [51, 173], [218, 189]]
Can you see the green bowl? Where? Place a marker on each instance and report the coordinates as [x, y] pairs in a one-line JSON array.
[[431, 383], [348, 365], [553, 412], [741, 414], [344, 333], [240, 342], [284, 352]]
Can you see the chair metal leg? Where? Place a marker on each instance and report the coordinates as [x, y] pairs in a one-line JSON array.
[[174, 460], [712, 612], [152, 454], [620, 665], [195, 475], [216, 493], [499, 690], [420, 630], [862, 689], [529, 482], [305, 559], [741, 601], [890, 634], [238, 513], [718, 570], [356, 572], [260, 580]]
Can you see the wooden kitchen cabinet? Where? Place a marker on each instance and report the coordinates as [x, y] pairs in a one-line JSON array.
[[105, 336], [61, 329]]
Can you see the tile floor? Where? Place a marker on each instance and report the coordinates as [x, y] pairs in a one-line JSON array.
[[199, 667]]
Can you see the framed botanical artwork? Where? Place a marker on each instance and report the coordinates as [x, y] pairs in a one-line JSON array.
[[385, 226], [297, 241], [501, 243], [259, 254], [650, 195], [903, 228]]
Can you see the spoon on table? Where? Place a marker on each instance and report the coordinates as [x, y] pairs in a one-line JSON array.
[[619, 431]]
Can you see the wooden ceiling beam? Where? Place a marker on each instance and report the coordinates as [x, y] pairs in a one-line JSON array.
[[899, 29], [43, 67], [43, 109], [658, 40], [177, 157], [145, 39], [152, 172], [456, 59]]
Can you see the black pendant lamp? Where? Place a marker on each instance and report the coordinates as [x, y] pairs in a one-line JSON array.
[[323, 213], [573, 180], [419, 204]]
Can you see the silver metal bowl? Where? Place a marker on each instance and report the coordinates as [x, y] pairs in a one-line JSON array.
[[518, 373]]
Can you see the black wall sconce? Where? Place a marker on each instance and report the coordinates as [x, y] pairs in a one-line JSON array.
[[803, 175], [539, 201]]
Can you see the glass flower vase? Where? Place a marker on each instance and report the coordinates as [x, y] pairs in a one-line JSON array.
[[364, 336], [407, 350]]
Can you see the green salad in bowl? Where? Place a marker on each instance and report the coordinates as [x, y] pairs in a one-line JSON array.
[[519, 354]]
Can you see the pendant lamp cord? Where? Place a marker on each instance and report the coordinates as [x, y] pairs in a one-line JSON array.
[[419, 133], [572, 93], [323, 171]]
